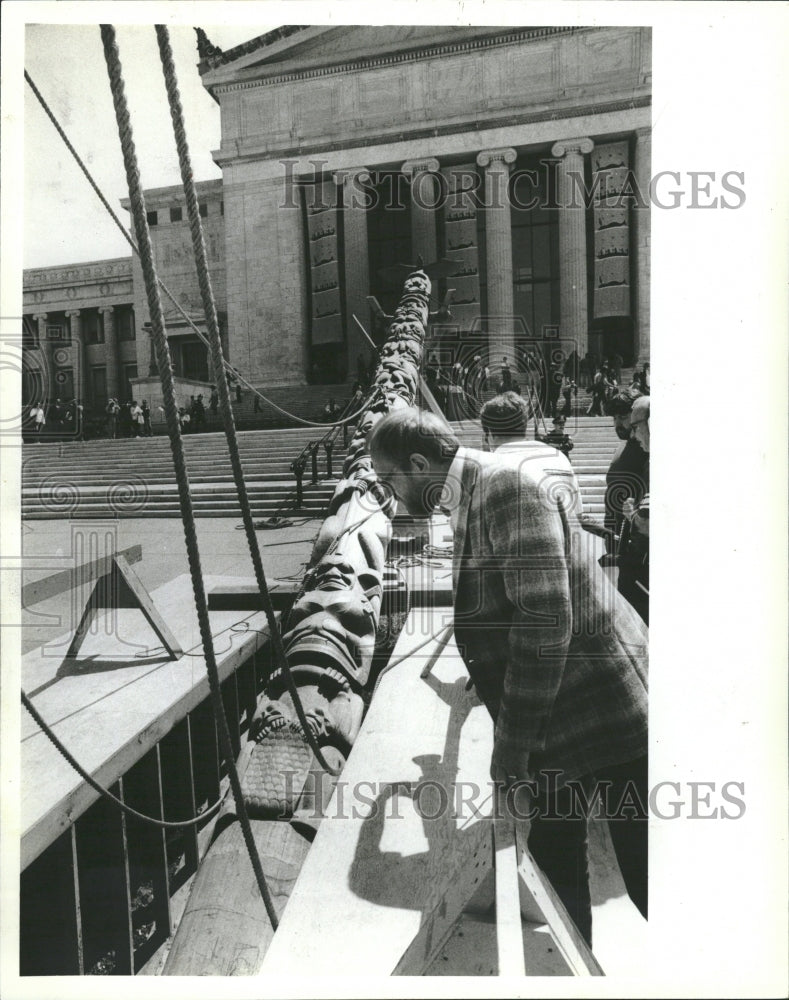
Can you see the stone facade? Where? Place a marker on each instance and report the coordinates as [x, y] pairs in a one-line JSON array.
[[71, 333], [328, 102], [307, 111]]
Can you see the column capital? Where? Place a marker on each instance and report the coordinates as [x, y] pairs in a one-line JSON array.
[[565, 146], [106, 309], [506, 155], [38, 316], [645, 132], [72, 312], [347, 174], [427, 165]]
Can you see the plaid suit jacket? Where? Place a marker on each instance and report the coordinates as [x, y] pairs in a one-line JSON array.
[[556, 654]]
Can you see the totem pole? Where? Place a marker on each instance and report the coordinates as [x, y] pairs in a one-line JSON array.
[[329, 637]]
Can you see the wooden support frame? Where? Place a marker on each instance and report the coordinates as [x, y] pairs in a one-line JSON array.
[[120, 587], [400, 896], [67, 579]]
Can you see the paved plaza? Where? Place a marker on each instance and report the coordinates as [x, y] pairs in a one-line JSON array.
[[223, 551]]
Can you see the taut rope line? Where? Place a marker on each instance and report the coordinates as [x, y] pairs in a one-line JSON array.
[[209, 308], [137, 203], [237, 375]]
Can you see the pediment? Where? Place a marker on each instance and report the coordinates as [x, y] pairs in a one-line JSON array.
[[317, 46]]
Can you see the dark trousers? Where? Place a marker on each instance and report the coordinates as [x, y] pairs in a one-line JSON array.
[[558, 840]]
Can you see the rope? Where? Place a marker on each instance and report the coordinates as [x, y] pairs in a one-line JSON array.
[[137, 202], [291, 416], [209, 308], [164, 824]]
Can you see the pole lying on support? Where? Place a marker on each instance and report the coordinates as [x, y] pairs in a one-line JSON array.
[[330, 632]]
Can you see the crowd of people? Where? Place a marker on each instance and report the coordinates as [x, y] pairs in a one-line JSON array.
[[459, 388]]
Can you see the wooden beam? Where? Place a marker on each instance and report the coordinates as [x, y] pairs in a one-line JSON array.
[[509, 934], [372, 888], [244, 595], [569, 941], [120, 587], [50, 586]]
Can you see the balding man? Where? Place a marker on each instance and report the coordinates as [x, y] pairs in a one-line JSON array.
[[556, 655]]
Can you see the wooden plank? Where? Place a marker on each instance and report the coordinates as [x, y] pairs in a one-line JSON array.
[[439, 925], [379, 867], [470, 950], [569, 941], [114, 706], [243, 594], [50, 586], [509, 934]]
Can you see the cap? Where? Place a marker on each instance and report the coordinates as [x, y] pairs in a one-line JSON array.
[[640, 411]]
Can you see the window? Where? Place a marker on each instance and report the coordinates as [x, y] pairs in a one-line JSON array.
[[535, 247], [153, 218], [176, 214], [98, 386], [203, 210], [129, 372], [92, 326], [59, 333], [389, 235], [124, 323], [221, 208]]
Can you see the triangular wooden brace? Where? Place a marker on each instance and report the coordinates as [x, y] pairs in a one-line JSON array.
[[122, 588]]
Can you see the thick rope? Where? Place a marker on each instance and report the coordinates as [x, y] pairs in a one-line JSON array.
[[209, 309], [180, 309], [105, 792], [137, 201]]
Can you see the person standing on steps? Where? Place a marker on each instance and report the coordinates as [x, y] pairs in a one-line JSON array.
[[146, 417]]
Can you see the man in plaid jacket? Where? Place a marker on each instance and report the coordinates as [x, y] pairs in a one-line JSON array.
[[556, 654]]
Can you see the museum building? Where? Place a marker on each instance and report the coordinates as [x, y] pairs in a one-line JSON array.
[[519, 155]]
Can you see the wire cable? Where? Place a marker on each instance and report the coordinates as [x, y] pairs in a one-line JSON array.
[[105, 792]]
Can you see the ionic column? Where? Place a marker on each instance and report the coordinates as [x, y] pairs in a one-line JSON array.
[[642, 238], [357, 271], [498, 252], [424, 198], [78, 354], [111, 352], [573, 301]]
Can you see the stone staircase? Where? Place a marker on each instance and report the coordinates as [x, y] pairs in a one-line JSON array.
[[134, 477]]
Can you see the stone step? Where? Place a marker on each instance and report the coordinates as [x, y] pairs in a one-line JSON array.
[[98, 471]]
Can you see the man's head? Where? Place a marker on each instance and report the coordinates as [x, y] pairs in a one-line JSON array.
[[620, 408], [503, 419], [412, 451], [639, 422]]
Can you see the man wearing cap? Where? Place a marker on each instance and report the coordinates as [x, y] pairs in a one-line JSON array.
[[504, 422], [556, 655], [633, 555], [627, 480]]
